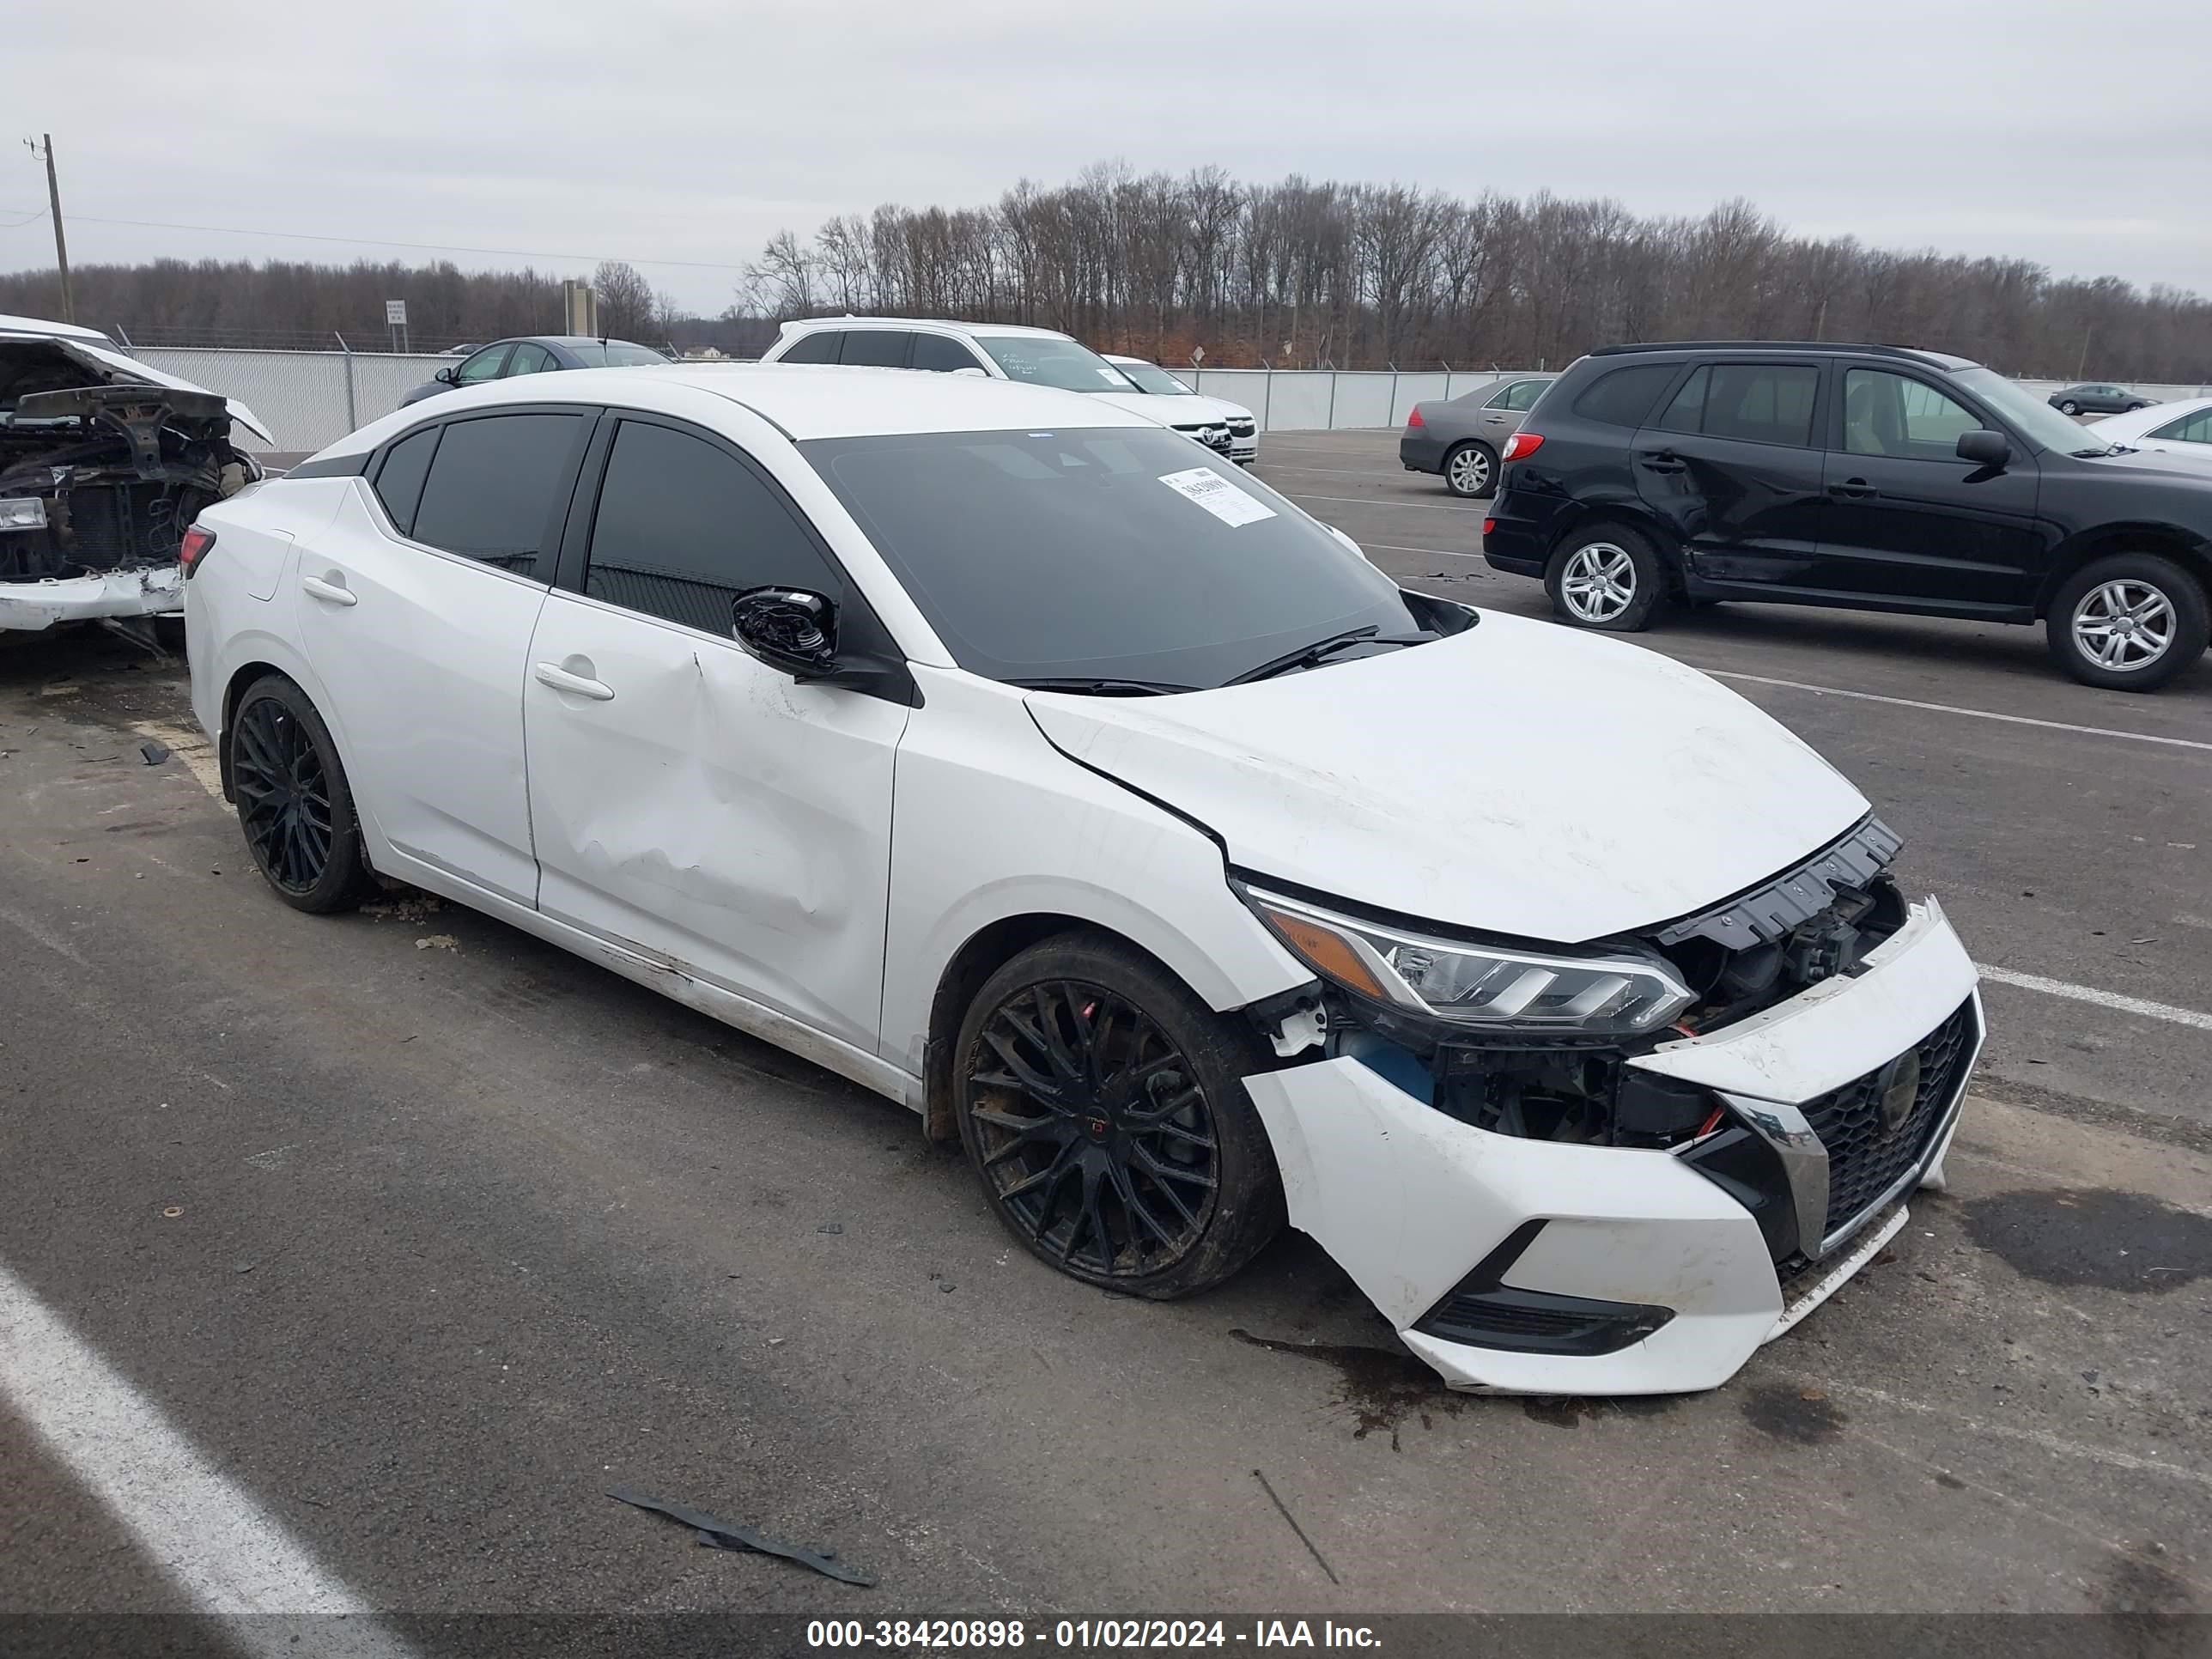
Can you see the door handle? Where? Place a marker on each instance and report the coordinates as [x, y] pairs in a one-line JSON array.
[[329, 593], [1854, 489], [575, 684], [1660, 460]]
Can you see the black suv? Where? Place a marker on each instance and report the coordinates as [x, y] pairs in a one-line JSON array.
[[1870, 476]]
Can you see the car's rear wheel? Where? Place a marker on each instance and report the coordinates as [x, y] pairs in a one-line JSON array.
[[1610, 577], [1104, 1107], [2128, 622], [293, 803], [1471, 470]]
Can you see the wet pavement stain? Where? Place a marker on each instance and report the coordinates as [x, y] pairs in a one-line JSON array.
[[2137, 1589], [2111, 1240], [1380, 1387], [1786, 1414], [1567, 1411]]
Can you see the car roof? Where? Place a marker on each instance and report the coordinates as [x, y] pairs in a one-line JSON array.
[[41, 328], [1834, 348], [937, 325], [802, 400]]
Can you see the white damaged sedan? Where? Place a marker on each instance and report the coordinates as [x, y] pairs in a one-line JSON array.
[[1043, 771]]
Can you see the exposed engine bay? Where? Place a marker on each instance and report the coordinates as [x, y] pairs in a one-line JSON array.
[[100, 476]]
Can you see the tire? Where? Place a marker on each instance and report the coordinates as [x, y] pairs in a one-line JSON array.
[[1470, 470], [2087, 624], [2070, 407], [1589, 571], [1069, 1166], [294, 805]]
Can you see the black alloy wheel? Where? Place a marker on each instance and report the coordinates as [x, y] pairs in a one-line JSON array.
[[293, 801], [1110, 1124]]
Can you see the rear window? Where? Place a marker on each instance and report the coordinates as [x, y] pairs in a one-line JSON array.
[[1625, 397], [1752, 403], [819, 347], [494, 488], [876, 347], [942, 353], [399, 480], [614, 353]]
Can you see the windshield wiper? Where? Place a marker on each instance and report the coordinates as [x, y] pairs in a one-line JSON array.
[[1104, 688], [1310, 656]]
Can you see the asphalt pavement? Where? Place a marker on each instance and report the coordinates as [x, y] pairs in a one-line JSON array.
[[397, 1239]]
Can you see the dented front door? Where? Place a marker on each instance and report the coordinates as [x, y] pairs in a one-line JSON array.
[[688, 800], [685, 798]]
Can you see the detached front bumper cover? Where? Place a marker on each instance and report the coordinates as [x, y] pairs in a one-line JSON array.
[[1415, 1205], [154, 591]]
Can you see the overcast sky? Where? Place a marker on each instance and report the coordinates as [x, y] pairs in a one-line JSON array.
[[2073, 133]]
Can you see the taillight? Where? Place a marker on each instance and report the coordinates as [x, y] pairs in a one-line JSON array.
[[193, 549], [1521, 445], [1489, 525], [1414, 420]]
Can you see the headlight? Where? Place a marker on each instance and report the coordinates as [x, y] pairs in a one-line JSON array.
[[1485, 988]]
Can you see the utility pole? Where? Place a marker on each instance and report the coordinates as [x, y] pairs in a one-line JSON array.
[[2082, 365], [54, 205]]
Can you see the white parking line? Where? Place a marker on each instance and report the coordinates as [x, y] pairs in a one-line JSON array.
[[2059, 988], [1378, 500], [1375, 472], [1400, 547], [1952, 708], [202, 1530]]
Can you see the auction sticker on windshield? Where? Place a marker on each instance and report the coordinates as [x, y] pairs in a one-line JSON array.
[[1217, 496]]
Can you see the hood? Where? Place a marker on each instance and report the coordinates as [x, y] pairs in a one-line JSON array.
[[1519, 778], [1226, 407], [92, 353], [1168, 411]]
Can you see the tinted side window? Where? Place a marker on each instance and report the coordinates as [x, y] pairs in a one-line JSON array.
[[494, 488], [399, 480], [1686, 409], [2189, 429], [819, 347], [941, 352], [530, 359], [876, 347], [1523, 394], [1625, 397], [1761, 402], [1886, 413], [484, 366], [683, 527]]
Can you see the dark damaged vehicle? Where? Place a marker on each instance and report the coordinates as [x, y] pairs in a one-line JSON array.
[[104, 462]]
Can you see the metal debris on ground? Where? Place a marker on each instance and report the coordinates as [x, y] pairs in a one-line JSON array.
[[155, 753], [1285, 1510], [728, 1535]]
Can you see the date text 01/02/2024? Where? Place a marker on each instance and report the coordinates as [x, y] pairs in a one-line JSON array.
[[1007, 1635]]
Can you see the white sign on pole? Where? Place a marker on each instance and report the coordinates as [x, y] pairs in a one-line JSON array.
[[395, 312], [1198, 354]]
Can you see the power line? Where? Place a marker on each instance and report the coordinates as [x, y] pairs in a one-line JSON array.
[[371, 242]]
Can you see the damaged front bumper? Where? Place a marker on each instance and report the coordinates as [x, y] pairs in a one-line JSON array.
[[157, 591], [1516, 1265]]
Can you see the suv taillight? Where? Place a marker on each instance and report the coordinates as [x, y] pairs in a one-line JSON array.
[[193, 549], [1414, 420], [1521, 445]]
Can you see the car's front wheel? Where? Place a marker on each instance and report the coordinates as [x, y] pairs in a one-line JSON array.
[[2128, 622], [2070, 407], [293, 803], [1471, 470], [1103, 1106], [1606, 576]]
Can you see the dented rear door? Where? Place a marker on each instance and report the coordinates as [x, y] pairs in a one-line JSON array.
[[687, 800]]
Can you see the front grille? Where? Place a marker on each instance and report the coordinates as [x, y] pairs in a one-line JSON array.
[[1867, 1157], [1242, 428]]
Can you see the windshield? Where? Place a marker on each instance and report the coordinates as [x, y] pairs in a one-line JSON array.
[[1115, 553], [1040, 359], [2035, 419], [1150, 377], [614, 353]]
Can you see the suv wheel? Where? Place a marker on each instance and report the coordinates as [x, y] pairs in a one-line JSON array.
[[1104, 1107], [2128, 622], [1606, 576], [1471, 470]]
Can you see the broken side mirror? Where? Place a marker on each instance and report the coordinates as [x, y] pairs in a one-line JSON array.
[[1985, 448], [788, 629]]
